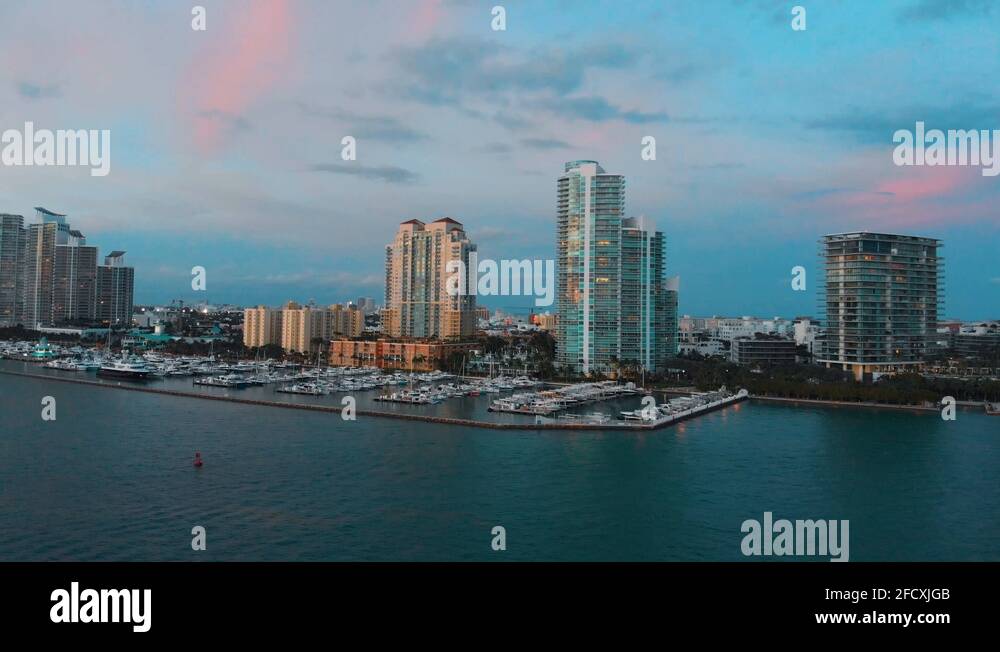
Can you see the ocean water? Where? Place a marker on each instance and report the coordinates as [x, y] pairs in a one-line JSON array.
[[112, 479]]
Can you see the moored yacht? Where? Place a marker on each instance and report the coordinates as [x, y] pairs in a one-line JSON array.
[[124, 368]]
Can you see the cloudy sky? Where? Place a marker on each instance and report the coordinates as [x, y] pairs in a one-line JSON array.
[[226, 142]]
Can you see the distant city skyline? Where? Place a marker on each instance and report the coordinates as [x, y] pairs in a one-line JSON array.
[[226, 143]]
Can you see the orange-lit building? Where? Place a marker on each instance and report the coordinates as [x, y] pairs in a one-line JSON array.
[[393, 354], [545, 321]]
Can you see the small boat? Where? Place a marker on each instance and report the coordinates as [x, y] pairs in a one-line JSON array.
[[305, 388], [64, 365], [993, 409], [228, 380], [90, 364]]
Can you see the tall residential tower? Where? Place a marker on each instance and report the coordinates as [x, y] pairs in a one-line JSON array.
[[115, 287], [50, 276], [417, 301], [12, 235], [882, 295], [614, 303]]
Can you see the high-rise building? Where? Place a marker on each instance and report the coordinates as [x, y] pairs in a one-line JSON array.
[[882, 294], [12, 235], [614, 303], [262, 326], [671, 336], [344, 320], [115, 287], [590, 208], [648, 311], [295, 327], [417, 301], [300, 325], [74, 281], [41, 241], [52, 275]]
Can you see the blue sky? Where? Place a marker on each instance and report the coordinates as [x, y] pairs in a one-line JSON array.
[[226, 143]]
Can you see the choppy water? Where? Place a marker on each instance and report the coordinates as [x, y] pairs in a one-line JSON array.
[[112, 479]]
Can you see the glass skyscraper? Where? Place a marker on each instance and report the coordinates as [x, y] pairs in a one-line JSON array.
[[612, 297], [882, 294]]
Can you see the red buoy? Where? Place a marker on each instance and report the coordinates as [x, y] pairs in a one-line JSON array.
[[197, 459]]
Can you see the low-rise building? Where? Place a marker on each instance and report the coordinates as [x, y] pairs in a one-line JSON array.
[[395, 354], [764, 350], [806, 333], [977, 340], [547, 322], [703, 347]]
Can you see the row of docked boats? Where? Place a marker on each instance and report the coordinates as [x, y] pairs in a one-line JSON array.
[[208, 372], [429, 394], [308, 389], [236, 381], [684, 406], [548, 401], [35, 351], [79, 364], [124, 366], [433, 394]]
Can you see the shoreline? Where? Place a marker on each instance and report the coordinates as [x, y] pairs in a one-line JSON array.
[[611, 425], [859, 404], [472, 423]]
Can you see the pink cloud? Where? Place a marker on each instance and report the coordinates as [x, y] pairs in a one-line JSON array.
[[248, 52], [426, 17], [913, 197], [920, 183]]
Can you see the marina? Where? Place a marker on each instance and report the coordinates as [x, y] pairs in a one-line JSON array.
[[377, 390], [396, 395]]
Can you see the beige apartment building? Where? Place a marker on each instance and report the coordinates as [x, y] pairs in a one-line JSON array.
[[261, 326], [345, 321], [417, 302], [294, 326], [298, 326]]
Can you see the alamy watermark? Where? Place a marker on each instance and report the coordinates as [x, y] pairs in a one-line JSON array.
[[103, 606], [956, 147], [785, 538], [504, 278], [62, 147]]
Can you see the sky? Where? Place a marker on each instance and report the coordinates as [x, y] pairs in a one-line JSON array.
[[226, 143]]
